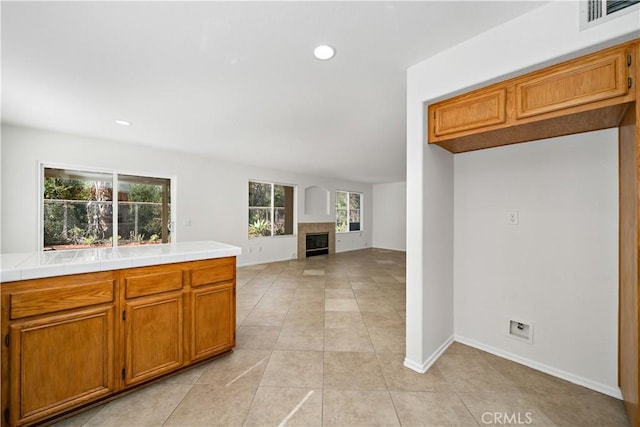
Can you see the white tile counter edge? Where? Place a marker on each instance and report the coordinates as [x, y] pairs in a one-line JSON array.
[[37, 265]]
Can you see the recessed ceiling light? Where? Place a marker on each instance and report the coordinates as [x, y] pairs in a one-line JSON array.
[[324, 52], [123, 122]]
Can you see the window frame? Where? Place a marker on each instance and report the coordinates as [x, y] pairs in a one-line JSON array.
[[42, 165], [272, 208], [335, 210]]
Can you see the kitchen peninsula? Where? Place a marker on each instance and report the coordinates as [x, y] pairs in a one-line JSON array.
[[83, 325]]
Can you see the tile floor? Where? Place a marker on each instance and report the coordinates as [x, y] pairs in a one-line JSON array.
[[321, 342]]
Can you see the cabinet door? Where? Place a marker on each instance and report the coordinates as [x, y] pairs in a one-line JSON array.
[[60, 362], [153, 336], [583, 81], [467, 112], [213, 320]]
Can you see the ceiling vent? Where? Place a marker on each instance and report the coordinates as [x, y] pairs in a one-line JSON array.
[[594, 12]]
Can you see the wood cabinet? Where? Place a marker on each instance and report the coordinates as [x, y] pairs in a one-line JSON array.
[[74, 340], [584, 94], [60, 335], [153, 331], [474, 111], [152, 316], [212, 298], [594, 92]]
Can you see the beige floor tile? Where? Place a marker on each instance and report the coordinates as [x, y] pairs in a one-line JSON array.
[[382, 319], [339, 293], [150, 406], [294, 369], [307, 319], [358, 408], [500, 408], [272, 305], [343, 320], [264, 318], [306, 306], [301, 339], [386, 340], [470, 373], [526, 379], [274, 406], [431, 409], [285, 284], [363, 284], [207, 405], [375, 304], [257, 337], [369, 293], [309, 293], [458, 348], [401, 378], [79, 419], [313, 273], [352, 371], [189, 376], [341, 304], [244, 367], [582, 408], [354, 340], [337, 284]]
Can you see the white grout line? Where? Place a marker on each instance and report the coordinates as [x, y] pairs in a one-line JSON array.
[[245, 372], [296, 409]]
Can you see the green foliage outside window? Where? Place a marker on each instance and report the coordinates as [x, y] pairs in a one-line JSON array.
[[348, 213], [268, 205], [78, 209]]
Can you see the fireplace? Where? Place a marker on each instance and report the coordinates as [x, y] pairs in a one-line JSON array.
[[316, 228], [317, 244]]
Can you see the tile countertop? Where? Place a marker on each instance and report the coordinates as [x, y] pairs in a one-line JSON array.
[[36, 265]]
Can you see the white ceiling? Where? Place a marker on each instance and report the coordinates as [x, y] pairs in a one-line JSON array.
[[234, 80]]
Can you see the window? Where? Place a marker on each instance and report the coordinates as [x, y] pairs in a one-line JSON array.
[[348, 213], [270, 209], [78, 209]]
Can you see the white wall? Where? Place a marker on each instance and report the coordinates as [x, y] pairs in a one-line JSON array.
[[558, 268], [390, 216], [546, 35], [211, 194]]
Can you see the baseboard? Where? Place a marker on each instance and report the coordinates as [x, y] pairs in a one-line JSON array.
[[389, 248], [424, 367], [266, 261], [584, 382]]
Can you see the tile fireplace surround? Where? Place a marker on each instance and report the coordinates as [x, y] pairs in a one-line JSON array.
[[315, 227]]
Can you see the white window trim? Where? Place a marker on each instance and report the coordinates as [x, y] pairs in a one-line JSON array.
[[295, 210], [114, 173], [335, 211]]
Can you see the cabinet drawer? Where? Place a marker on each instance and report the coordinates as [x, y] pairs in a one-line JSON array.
[[153, 281], [576, 83], [42, 301], [218, 270], [470, 112]]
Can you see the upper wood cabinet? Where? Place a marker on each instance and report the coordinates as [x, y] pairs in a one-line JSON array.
[[579, 82], [473, 111], [584, 94]]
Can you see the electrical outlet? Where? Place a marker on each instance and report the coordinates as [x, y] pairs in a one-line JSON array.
[[512, 218], [520, 330]]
